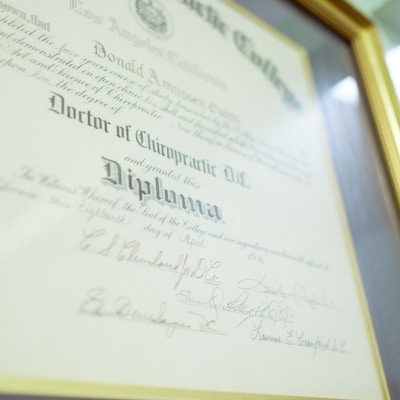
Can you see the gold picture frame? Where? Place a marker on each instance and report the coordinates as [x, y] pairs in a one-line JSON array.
[[361, 33]]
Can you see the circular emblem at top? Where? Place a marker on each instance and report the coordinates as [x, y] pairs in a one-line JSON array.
[[153, 17]]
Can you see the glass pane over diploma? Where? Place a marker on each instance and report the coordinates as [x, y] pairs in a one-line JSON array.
[[171, 222]]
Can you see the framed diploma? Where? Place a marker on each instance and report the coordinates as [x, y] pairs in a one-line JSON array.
[[198, 200]]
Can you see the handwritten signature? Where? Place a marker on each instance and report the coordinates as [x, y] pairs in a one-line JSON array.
[[275, 311], [100, 242], [300, 294], [97, 304], [299, 338]]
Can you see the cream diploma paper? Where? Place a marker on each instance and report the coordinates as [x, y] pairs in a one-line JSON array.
[[168, 212]]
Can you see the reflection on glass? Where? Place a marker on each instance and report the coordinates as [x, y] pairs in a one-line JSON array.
[[385, 14], [346, 91]]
